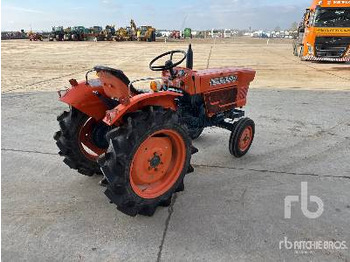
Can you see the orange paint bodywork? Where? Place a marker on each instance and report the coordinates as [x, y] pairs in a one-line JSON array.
[[222, 90], [114, 87], [218, 97], [163, 99], [198, 82], [312, 32], [82, 98], [329, 3]]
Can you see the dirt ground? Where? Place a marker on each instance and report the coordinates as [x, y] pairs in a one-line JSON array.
[[32, 66]]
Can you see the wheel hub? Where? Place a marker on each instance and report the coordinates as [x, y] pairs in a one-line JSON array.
[[155, 161], [99, 135], [88, 145], [246, 138]]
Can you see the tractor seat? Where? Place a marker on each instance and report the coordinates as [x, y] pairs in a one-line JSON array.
[[120, 75]]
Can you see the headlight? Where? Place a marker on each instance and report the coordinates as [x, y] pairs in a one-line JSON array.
[[155, 86], [347, 54], [310, 49]]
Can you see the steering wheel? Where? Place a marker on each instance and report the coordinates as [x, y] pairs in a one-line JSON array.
[[169, 65]]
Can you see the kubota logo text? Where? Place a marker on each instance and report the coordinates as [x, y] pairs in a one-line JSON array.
[[223, 80]]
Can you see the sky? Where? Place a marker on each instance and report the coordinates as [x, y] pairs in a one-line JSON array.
[[162, 14]]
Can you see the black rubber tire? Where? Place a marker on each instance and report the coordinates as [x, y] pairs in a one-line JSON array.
[[301, 53], [236, 134], [68, 143], [124, 142], [195, 133], [295, 50]]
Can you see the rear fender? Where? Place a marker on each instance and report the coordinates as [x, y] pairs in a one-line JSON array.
[[164, 99], [81, 97]]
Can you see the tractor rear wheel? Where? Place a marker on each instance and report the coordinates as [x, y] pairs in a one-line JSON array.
[[81, 141], [195, 133], [242, 137], [146, 161]]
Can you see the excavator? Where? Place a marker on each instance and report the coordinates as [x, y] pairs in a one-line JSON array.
[[133, 30], [127, 33], [132, 33]]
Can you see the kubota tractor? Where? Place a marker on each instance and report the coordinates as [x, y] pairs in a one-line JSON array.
[[141, 140]]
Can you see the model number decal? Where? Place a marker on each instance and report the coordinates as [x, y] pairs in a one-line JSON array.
[[223, 80]]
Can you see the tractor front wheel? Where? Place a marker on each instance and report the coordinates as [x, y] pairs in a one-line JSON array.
[[146, 161], [81, 141], [242, 137]]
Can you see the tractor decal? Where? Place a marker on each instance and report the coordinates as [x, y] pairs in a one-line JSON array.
[[223, 80]]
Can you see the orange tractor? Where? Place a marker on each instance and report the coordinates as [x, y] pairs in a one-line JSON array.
[[141, 139]]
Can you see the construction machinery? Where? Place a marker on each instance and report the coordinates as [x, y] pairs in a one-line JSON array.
[[141, 139], [14, 35], [57, 33], [67, 34], [79, 33], [76, 33], [324, 33], [187, 33], [95, 33], [109, 33], [132, 31], [128, 33], [175, 34], [146, 33], [35, 36], [122, 34]]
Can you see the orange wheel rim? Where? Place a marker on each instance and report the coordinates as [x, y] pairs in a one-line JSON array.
[[86, 145], [246, 138], [157, 164]]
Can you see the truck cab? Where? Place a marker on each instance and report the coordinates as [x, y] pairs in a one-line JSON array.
[[324, 33]]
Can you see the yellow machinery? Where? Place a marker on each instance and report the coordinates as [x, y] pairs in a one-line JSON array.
[[35, 36], [122, 34], [146, 33], [128, 33]]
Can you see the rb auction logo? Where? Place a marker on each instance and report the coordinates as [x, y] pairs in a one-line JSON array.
[[304, 204]]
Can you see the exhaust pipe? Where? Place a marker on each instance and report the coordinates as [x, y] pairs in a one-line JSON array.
[[189, 61]]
